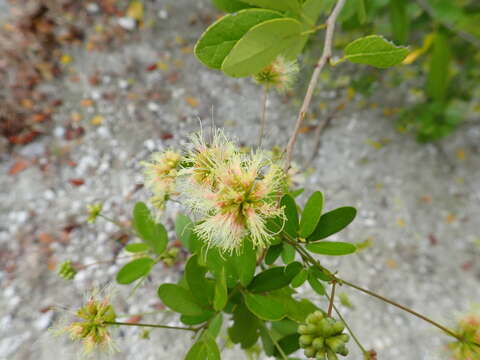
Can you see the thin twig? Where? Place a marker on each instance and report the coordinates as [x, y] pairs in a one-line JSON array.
[[350, 330], [332, 297], [263, 119], [324, 58], [152, 326]]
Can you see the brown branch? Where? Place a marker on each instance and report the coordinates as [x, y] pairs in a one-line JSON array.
[[324, 58]]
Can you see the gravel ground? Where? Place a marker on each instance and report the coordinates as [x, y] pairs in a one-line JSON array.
[[418, 204]]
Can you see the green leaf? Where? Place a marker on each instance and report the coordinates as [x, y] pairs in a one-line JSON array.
[[179, 299], [136, 247], [316, 285], [154, 235], [244, 330], [290, 209], [399, 20], [197, 282], [280, 5], [215, 325], [332, 222], [270, 279], [221, 292], [261, 45], [332, 248], [230, 5], [195, 320], [218, 40], [273, 253], [268, 345], [265, 307], [292, 270], [204, 349], [299, 279], [289, 344], [245, 263], [311, 214], [438, 77], [183, 230], [285, 327], [288, 253], [134, 270], [376, 51]]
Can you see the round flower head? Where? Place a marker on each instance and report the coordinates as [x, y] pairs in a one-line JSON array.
[[244, 197], [204, 159], [280, 74], [160, 174], [91, 325]]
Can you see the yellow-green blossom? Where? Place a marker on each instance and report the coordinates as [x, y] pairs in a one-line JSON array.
[[91, 326], [160, 174], [469, 330], [280, 74], [244, 195]]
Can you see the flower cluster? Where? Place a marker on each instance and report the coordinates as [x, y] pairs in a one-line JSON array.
[[92, 327], [280, 74], [160, 174], [322, 338], [233, 192], [468, 329]]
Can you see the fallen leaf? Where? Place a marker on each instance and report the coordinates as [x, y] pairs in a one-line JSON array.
[[97, 120], [76, 181], [18, 166], [135, 10], [193, 102]]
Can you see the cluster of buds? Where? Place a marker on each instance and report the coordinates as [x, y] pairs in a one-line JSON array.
[[66, 270], [92, 328], [234, 193], [322, 337], [169, 257], [468, 329]]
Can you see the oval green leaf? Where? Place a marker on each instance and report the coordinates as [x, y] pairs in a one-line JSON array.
[[183, 230], [332, 248], [261, 45], [197, 283], [230, 5], [134, 270], [299, 279], [154, 235], [179, 299], [311, 214], [136, 247], [316, 285], [245, 263], [374, 50], [290, 210], [332, 222], [221, 292], [280, 5], [264, 307], [218, 40], [268, 280]]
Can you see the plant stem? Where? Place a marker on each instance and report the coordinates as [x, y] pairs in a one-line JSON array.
[[326, 55], [306, 256], [278, 347], [350, 330], [332, 296], [152, 326], [263, 119]]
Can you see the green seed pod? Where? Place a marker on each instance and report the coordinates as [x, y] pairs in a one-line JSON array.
[[311, 319], [318, 315], [339, 326], [331, 355], [325, 328], [343, 351], [302, 330], [311, 329], [318, 343], [310, 352], [334, 343], [345, 337], [305, 340], [320, 355]]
